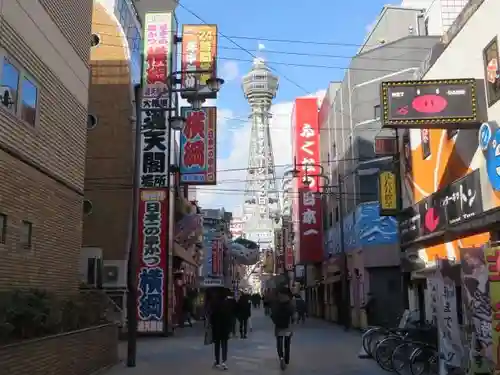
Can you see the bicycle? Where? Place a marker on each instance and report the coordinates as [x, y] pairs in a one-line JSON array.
[[425, 360], [386, 348]]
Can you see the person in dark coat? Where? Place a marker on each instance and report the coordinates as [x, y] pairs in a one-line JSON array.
[[301, 307], [282, 313], [244, 311], [220, 322], [233, 305]]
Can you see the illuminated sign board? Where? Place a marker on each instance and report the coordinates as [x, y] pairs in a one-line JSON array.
[[455, 103]]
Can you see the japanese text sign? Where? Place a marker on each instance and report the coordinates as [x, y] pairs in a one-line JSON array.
[[306, 153], [217, 254], [451, 103], [199, 52], [388, 193], [151, 272], [198, 146], [158, 34], [492, 255], [289, 258]]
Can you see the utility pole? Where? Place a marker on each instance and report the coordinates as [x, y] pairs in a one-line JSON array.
[[345, 277]]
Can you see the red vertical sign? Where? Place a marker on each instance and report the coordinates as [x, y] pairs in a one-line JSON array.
[[152, 305], [289, 258], [306, 153], [216, 257], [198, 146]]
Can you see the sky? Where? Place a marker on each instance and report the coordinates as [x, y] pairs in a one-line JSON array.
[[332, 29]]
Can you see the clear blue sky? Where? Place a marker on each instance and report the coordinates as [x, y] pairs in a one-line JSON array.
[[342, 22]]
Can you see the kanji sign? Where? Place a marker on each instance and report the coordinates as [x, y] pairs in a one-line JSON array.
[[217, 253], [152, 270], [289, 258], [198, 146], [158, 35], [455, 103], [199, 52], [308, 205], [388, 193]]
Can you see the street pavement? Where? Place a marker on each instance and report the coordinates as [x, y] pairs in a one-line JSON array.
[[318, 347]]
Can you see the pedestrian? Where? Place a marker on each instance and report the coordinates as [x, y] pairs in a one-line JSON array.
[[282, 316], [300, 306], [220, 322], [187, 310], [244, 311], [233, 307]]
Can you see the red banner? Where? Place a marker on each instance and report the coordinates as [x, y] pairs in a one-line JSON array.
[[198, 146], [306, 153], [289, 258], [152, 307], [216, 257]]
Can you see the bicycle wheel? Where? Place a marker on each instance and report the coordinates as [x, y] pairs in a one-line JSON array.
[[401, 357], [368, 337], [384, 350], [424, 361], [374, 339]]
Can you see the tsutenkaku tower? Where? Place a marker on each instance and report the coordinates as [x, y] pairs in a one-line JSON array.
[[261, 207]]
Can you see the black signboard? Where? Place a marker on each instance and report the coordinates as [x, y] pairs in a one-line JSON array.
[[454, 204], [433, 103]]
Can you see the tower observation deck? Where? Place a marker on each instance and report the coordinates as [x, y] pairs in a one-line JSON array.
[[261, 206]]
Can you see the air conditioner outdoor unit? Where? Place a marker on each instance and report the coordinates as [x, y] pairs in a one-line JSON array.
[[115, 274]]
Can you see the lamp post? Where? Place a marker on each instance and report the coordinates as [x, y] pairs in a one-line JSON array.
[[174, 123]]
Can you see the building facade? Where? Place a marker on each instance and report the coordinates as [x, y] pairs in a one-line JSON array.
[[43, 116], [350, 120], [440, 163]]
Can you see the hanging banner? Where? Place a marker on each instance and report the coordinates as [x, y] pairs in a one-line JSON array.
[[198, 146], [476, 299], [216, 257], [492, 255], [199, 52], [289, 258], [450, 344], [388, 193], [151, 272]]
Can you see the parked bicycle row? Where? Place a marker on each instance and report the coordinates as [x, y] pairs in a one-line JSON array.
[[410, 349]]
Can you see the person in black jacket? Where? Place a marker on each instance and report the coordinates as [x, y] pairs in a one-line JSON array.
[[282, 316], [220, 322], [244, 311]]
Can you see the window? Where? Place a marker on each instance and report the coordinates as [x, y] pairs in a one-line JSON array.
[[26, 234], [87, 207], [95, 40], [376, 111], [29, 100], [10, 85], [91, 122], [3, 228]]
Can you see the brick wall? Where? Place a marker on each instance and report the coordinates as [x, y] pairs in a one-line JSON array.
[[109, 170], [72, 20], [77, 353], [56, 214], [57, 142]]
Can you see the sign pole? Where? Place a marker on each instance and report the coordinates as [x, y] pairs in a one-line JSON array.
[[132, 263], [345, 278]]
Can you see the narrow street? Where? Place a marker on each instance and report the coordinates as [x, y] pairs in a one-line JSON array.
[[317, 348]]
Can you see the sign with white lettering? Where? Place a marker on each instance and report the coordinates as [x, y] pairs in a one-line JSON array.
[[308, 210]]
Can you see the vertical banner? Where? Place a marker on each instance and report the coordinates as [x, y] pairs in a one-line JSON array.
[[215, 257], [306, 146], [388, 193], [492, 255], [154, 148], [198, 146], [450, 343], [476, 299], [151, 273], [199, 52]]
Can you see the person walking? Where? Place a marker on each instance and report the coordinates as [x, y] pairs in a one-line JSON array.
[[244, 311], [233, 309], [220, 322], [187, 310], [282, 316], [300, 306]]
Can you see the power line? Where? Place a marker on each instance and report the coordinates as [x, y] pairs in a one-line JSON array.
[[242, 48]]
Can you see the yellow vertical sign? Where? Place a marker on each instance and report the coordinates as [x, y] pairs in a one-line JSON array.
[[388, 193]]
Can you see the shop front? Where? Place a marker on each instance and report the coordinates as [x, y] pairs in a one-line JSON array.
[[332, 279]]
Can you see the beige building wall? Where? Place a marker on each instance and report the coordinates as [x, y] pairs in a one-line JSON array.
[[42, 162]]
